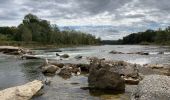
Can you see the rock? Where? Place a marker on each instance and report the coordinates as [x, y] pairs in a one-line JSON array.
[[116, 52], [14, 50], [101, 77], [49, 69], [84, 67], [58, 51], [23, 92], [65, 72], [128, 71], [153, 87], [142, 53], [57, 54], [131, 81], [64, 56], [161, 52], [60, 65], [26, 56], [78, 57]]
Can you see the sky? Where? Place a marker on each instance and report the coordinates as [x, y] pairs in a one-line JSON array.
[[114, 18]]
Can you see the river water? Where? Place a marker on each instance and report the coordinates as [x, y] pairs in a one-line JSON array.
[[14, 71]]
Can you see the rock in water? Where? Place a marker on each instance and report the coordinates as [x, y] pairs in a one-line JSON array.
[[51, 69], [78, 57], [129, 72], [153, 87], [64, 56], [65, 72], [23, 92], [100, 77]]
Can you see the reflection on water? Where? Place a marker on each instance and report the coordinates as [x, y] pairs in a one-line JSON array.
[[31, 69], [14, 71]]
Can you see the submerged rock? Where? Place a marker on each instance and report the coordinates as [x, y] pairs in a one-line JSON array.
[[78, 57], [65, 56], [153, 87], [26, 56], [116, 52], [23, 92], [57, 54]]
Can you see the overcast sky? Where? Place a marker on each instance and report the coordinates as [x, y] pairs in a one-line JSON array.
[[123, 15]]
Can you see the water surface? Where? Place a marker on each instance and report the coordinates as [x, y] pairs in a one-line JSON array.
[[14, 71]]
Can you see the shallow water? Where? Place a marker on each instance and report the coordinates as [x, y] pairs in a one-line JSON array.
[[14, 71]]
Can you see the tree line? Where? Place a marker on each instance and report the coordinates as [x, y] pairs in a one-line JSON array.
[[34, 29], [160, 36]]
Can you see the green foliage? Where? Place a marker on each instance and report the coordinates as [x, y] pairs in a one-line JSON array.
[[33, 29], [149, 36]]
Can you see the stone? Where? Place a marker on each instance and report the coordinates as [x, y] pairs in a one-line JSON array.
[[116, 52], [26, 56], [101, 77], [65, 72], [78, 57], [23, 92], [64, 56], [129, 72], [49, 69], [152, 87]]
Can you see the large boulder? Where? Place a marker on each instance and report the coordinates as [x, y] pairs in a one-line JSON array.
[[129, 72], [153, 87], [23, 92], [101, 77]]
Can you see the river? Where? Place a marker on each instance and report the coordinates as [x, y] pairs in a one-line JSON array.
[[15, 71]]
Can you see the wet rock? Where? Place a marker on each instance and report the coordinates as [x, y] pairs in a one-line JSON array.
[[101, 77], [153, 87], [57, 54], [58, 51], [60, 65], [65, 72], [26, 56], [161, 52], [129, 72], [84, 67], [74, 69], [23, 92], [116, 52], [142, 53], [65, 56], [47, 81], [49, 69], [78, 57]]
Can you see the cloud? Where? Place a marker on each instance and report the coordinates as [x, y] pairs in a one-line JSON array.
[[125, 16]]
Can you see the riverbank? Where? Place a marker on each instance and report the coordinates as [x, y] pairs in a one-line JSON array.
[[14, 71], [36, 45]]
